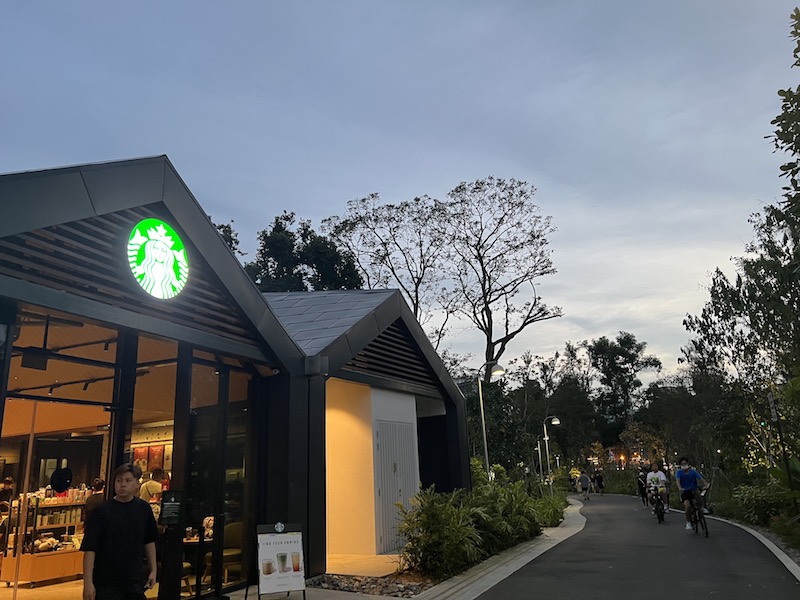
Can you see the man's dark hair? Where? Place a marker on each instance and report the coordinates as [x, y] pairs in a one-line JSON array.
[[98, 485], [127, 468], [683, 460], [157, 474]]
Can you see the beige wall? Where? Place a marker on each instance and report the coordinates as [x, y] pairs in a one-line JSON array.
[[349, 468]]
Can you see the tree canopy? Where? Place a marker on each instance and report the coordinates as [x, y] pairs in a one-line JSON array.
[[295, 258]]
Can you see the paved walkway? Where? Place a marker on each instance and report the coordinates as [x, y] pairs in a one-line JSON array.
[[624, 554], [612, 548]]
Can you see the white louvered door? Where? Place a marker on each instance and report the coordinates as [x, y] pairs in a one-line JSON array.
[[396, 465]]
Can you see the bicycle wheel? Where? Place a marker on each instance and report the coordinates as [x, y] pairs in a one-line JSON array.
[[703, 523], [694, 520], [660, 512]]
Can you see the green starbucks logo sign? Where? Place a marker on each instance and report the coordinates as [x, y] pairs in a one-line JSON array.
[[157, 258]]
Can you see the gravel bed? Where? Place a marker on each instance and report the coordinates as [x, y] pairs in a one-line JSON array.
[[394, 586]]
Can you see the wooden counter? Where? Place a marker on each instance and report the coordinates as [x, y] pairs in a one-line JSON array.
[[43, 566]]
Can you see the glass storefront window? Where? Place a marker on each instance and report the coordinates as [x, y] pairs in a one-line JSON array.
[[59, 413]]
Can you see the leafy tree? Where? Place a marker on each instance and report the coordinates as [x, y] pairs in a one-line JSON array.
[[293, 258], [787, 133], [619, 363], [398, 245], [477, 255], [497, 251], [645, 440], [230, 237]]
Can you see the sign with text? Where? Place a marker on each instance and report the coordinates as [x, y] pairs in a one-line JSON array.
[[171, 507], [280, 562]]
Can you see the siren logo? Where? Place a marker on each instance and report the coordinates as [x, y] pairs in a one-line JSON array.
[[157, 258]]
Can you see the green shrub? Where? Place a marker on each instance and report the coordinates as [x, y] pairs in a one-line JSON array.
[[506, 515], [447, 533], [550, 509], [620, 482], [441, 538], [758, 504], [788, 528]]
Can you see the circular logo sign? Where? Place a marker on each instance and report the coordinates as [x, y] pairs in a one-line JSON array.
[[157, 258]]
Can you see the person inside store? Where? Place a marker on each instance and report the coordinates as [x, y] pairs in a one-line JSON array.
[[151, 489], [98, 496], [119, 545], [6, 494]]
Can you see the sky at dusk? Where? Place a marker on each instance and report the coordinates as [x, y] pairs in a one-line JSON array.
[[641, 124]]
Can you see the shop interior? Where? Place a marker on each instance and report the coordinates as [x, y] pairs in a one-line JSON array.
[[58, 415]]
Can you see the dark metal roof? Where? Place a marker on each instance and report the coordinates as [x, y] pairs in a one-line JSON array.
[[316, 320], [364, 333]]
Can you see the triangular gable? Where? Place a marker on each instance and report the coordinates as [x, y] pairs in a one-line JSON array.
[[364, 333], [64, 212], [394, 355], [87, 258]]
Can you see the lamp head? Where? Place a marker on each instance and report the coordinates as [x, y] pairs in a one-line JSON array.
[[555, 421], [497, 370]]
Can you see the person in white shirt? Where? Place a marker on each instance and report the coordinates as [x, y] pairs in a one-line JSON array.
[[657, 482], [151, 489]]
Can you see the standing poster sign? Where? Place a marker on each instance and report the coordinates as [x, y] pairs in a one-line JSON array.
[[281, 567]]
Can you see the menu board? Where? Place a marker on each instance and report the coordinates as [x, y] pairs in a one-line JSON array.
[[280, 562]]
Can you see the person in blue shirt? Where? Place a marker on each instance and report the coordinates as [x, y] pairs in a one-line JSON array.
[[688, 480]]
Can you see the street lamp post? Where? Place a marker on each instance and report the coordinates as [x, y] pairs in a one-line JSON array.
[[553, 421], [496, 369], [539, 450]]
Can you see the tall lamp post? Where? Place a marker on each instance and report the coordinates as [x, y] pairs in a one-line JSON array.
[[539, 451], [496, 369], [553, 421]]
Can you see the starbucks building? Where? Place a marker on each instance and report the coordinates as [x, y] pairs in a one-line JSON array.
[[130, 333]]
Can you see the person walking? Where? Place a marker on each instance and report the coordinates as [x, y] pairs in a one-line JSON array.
[[641, 484], [599, 482], [584, 480], [119, 545]]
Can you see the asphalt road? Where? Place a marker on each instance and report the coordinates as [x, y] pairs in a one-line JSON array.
[[624, 554]]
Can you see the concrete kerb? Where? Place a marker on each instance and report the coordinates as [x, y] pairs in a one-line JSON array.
[[475, 581]]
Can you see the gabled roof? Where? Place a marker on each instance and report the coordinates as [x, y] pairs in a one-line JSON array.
[[363, 332], [316, 320], [41, 200]]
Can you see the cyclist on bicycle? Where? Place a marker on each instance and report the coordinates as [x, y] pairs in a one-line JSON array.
[[656, 484], [688, 480]]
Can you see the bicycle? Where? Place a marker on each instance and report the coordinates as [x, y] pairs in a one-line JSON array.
[[658, 504], [698, 518]]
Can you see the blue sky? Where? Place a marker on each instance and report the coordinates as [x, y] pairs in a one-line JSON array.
[[642, 124]]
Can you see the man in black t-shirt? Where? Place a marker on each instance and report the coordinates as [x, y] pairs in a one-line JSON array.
[[119, 544]]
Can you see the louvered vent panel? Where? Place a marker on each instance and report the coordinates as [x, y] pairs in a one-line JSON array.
[[394, 355]]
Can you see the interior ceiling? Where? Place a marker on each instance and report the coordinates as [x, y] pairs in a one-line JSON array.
[[65, 379], [65, 336]]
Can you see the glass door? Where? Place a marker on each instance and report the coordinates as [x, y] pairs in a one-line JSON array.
[[218, 489], [56, 417]]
